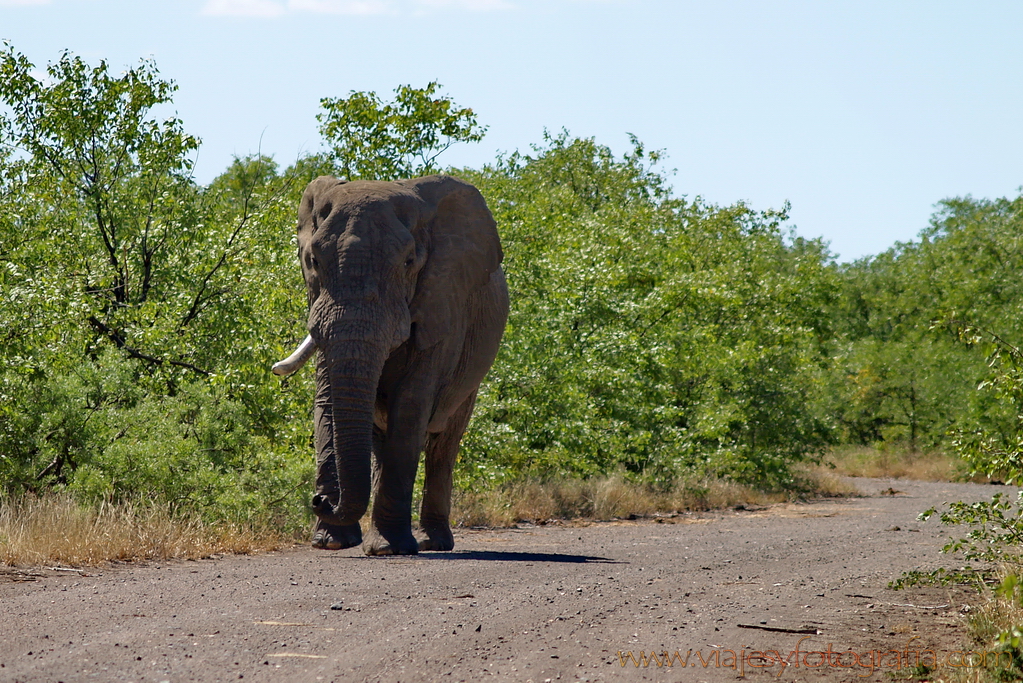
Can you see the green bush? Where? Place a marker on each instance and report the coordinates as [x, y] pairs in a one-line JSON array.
[[648, 333], [142, 309], [901, 375]]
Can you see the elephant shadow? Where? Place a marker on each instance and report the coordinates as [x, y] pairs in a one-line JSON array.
[[513, 556], [499, 556]]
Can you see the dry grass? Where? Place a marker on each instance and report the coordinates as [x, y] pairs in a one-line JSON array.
[[57, 530], [824, 482], [993, 616], [986, 620], [895, 463], [605, 498]]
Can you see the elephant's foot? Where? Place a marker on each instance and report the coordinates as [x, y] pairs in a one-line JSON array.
[[336, 536], [437, 538], [389, 542]]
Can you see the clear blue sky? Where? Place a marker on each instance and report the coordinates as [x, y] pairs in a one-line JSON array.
[[862, 114]]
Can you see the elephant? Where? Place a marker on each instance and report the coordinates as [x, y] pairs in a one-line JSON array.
[[407, 306]]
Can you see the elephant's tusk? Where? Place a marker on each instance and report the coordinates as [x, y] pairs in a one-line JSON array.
[[296, 360]]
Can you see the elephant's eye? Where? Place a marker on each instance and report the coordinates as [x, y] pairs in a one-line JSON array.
[[316, 264], [409, 261]]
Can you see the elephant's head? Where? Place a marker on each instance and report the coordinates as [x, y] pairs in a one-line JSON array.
[[385, 265]]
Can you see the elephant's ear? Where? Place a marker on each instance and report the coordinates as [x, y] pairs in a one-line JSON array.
[[462, 251]]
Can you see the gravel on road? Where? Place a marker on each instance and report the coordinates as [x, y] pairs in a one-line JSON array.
[[790, 592]]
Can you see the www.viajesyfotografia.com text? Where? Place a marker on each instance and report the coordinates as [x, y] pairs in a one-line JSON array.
[[864, 662]]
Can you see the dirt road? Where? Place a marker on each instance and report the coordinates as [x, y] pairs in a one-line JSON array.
[[733, 593]]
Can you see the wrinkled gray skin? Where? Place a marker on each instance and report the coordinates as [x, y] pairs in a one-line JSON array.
[[407, 304]]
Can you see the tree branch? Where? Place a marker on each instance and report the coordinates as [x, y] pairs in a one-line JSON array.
[[119, 342]]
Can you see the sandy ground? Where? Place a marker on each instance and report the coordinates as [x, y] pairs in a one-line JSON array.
[[733, 593]]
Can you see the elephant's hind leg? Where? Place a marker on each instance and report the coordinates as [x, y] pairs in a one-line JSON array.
[[441, 450]]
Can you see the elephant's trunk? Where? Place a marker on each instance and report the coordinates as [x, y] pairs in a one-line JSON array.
[[353, 370], [296, 360]]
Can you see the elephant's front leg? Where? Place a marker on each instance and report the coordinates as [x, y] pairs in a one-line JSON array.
[[394, 476], [441, 451]]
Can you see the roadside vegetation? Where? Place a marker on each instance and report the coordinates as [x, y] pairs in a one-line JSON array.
[[992, 546], [59, 530], [662, 353], [896, 462]]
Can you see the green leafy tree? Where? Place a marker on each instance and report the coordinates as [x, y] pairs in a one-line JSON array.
[[898, 377], [139, 301], [910, 392], [368, 138], [648, 333], [994, 447], [106, 197]]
